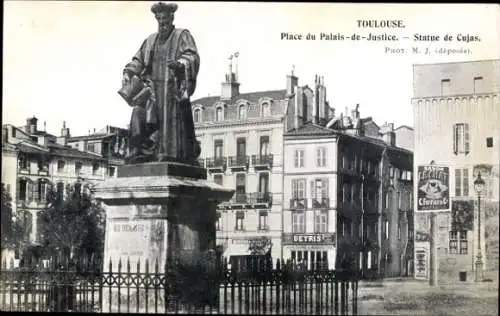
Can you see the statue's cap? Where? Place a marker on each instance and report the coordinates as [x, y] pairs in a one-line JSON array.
[[163, 7]]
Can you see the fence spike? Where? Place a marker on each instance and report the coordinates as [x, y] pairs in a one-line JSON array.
[[120, 264], [128, 264], [110, 265], [138, 265], [156, 265], [147, 265]]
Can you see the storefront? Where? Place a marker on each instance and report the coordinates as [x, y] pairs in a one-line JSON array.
[[315, 251]]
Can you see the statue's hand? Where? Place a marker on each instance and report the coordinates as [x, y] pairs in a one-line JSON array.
[[175, 65]]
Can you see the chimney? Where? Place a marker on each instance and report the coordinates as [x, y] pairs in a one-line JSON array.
[[63, 139], [31, 124], [291, 82], [315, 108], [388, 134], [324, 108], [230, 88], [296, 108]]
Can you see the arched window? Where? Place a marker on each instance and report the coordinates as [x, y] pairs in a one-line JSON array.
[[266, 109], [242, 112], [197, 115], [219, 114]]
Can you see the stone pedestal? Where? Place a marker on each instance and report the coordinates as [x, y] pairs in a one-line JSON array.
[[160, 216]]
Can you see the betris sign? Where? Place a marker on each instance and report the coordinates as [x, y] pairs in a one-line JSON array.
[[433, 188]]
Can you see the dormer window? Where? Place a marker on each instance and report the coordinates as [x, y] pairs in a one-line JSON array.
[[219, 114], [242, 112], [197, 115], [266, 109]]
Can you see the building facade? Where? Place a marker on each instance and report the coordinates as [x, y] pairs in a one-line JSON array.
[[241, 137], [457, 125], [33, 162], [347, 188]]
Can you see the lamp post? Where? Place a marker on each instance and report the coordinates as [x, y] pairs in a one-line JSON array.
[[479, 186]]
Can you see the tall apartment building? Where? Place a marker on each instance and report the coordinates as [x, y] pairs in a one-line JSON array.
[[33, 160], [347, 192], [457, 124], [241, 137]]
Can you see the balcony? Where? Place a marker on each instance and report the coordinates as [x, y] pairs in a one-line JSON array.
[[262, 162], [298, 204], [249, 200], [239, 162], [216, 164], [320, 203], [24, 170]]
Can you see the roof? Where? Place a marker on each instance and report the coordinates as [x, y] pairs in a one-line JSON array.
[[91, 137], [400, 158], [252, 97], [43, 133], [31, 148], [404, 126], [64, 151], [310, 128]]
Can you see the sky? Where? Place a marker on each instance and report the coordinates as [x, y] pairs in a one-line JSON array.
[[63, 61]]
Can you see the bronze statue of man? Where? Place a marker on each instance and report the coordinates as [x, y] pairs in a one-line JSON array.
[[165, 70]]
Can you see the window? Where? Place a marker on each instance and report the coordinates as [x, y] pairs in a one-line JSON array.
[[386, 229], [43, 165], [299, 158], [489, 142], [218, 222], [298, 222], [346, 193], [462, 182], [23, 190], [23, 162], [445, 87], [240, 195], [321, 157], [60, 190], [399, 230], [197, 115], [241, 147], [298, 188], [319, 189], [60, 165], [42, 190], [91, 147], [111, 171], [78, 167], [242, 112], [266, 109], [95, 168], [463, 242], [320, 221], [264, 182], [264, 145], [263, 220], [478, 85], [219, 114], [218, 148], [240, 216], [453, 242], [461, 143], [218, 179], [399, 200]]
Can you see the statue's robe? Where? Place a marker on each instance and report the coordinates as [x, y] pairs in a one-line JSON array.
[[170, 113]]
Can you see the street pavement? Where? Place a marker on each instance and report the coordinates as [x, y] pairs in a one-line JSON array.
[[413, 297]]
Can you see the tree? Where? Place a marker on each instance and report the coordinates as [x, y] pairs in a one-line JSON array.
[[74, 226], [12, 228]]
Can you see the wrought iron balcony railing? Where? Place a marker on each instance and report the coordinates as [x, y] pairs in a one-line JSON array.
[[320, 202], [262, 161], [257, 198], [216, 163], [298, 203], [238, 162]]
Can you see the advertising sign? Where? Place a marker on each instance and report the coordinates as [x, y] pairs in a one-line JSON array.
[[433, 188]]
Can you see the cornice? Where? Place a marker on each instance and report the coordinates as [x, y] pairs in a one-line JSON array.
[[223, 124]]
